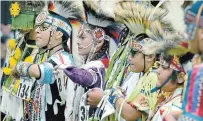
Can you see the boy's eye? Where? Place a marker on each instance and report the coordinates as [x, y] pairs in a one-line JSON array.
[[81, 37], [45, 25], [133, 52], [165, 67]]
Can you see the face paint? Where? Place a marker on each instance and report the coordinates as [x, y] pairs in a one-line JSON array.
[[43, 27]]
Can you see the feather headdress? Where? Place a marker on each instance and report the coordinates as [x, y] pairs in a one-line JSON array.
[[139, 19], [173, 55], [67, 9], [97, 18], [175, 15], [59, 13], [104, 6]]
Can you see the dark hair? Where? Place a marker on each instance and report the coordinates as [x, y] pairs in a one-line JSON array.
[[187, 57], [166, 57], [90, 26], [64, 43], [140, 37], [123, 35], [175, 76], [102, 52]]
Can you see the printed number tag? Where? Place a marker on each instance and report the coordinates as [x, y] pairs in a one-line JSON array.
[[83, 113], [84, 109], [24, 88], [60, 81]]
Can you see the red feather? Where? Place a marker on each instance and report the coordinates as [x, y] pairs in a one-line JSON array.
[[51, 6], [184, 44], [105, 62]]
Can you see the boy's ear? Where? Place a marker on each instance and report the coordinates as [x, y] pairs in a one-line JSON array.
[[181, 78], [150, 58], [58, 34]]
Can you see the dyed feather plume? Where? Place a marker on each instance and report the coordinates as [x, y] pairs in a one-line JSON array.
[[171, 48], [135, 16], [99, 19], [67, 9], [171, 39], [154, 21], [95, 17], [36, 6], [103, 6]]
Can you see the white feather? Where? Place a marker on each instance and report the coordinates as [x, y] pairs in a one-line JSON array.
[[175, 15], [72, 11], [95, 21], [108, 7], [154, 11]]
